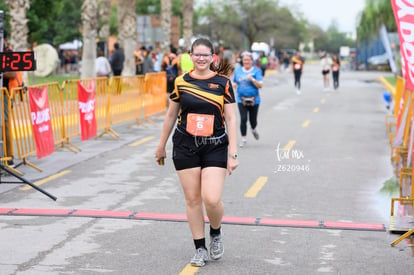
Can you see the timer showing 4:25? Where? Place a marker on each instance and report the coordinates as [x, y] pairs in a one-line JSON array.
[[17, 61]]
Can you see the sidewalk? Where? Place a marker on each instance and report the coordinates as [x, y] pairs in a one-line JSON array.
[[63, 158]]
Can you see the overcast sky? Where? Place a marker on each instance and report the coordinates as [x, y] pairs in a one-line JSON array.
[[322, 12]]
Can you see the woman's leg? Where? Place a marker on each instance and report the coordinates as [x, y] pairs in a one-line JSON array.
[[243, 123], [253, 111], [191, 183], [298, 74], [336, 79], [326, 80], [212, 183], [297, 79]]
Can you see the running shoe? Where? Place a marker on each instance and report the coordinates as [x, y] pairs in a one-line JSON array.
[[200, 257], [216, 247], [243, 143], [255, 134]]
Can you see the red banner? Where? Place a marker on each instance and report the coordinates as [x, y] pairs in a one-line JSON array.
[[404, 17], [86, 103], [41, 123]]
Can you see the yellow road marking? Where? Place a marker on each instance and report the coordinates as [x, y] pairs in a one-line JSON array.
[[289, 145], [45, 180], [323, 101], [189, 270], [305, 123], [316, 110], [141, 141], [256, 187]]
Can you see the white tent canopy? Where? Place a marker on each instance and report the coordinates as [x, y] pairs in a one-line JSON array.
[[74, 45]]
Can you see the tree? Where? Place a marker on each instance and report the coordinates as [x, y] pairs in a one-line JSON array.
[[104, 18], [188, 6], [260, 20], [127, 33], [375, 13], [18, 24], [89, 34], [154, 7], [54, 22], [166, 24]]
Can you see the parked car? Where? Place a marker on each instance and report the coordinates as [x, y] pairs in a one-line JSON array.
[[379, 62]]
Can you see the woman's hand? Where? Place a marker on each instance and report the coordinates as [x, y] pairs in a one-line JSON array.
[[160, 155], [232, 164]]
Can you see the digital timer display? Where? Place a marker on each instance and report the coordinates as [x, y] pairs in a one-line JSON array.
[[17, 61]]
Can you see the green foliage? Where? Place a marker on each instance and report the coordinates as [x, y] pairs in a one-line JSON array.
[[224, 22], [113, 20], [54, 22], [260, 20], [332, 40], [5, 10], [375, 13], [145, 7], [148, 7]]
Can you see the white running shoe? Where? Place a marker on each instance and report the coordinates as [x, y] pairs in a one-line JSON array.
[[216, 247], [243, 143], [200, 257]]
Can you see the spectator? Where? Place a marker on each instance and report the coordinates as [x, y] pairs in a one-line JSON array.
[[102, 66], [7, 77], [117, 60], [147, 64]]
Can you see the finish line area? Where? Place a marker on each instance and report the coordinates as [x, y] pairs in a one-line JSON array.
[[133, 215]]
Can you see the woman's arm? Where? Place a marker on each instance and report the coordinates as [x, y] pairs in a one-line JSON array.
[[231, 126], [169, 122], [256, 83]]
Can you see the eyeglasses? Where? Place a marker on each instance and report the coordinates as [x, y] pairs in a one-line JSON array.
[[198, 55]]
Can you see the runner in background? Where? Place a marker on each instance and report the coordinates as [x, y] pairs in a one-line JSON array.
[[248, 80], [336, 66], [297, 67], [326, 63]]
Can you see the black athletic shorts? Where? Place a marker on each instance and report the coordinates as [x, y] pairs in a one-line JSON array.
[[192, 151]]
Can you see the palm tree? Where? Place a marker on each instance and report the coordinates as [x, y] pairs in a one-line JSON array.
[[18, 23], [89, 19], [166, 13], [127, 33], [104, 15], [188, 8]]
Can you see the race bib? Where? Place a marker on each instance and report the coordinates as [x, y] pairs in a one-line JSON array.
[[200, 124], [297, 66]]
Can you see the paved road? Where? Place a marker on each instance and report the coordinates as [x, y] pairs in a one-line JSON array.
[[316, 208]]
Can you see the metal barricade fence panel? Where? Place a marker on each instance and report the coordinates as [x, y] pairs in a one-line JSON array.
[[70, 108], [101, 102], [123, 99], [70, 102], [155, 99], [21, 126], [3, 97], [56, 112], [126, 98], [7, 144]]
